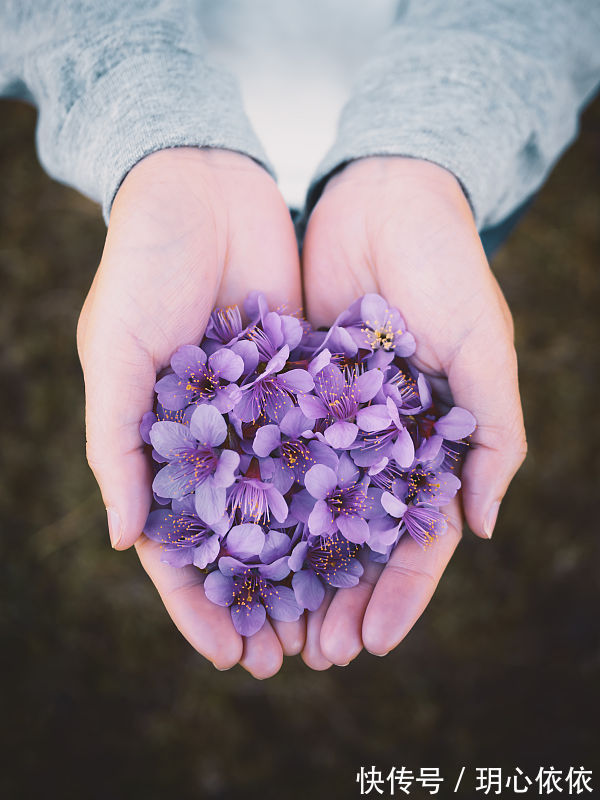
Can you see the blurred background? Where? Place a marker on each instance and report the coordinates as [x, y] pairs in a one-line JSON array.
[[101, 696]]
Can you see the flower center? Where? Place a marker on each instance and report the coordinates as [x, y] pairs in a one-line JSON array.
[[197, 463], [296, 456], [227, 323], [331, 554], [381, 335], [350, 501], [204, 384], [249, 502]]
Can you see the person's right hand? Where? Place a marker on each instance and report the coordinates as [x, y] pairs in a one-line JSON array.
[[189, 228]]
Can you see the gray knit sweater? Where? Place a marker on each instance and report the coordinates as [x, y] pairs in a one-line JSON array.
[[491, 90]]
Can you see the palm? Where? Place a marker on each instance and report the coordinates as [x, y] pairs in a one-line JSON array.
[[404, 229], [189, 230]]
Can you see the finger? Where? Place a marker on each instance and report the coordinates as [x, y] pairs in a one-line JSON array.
[[206, 626], [341, 634], [119, 379], [406, 586], [291, 635], [262, 656], [474, 342], [483, 379], [312, 655]]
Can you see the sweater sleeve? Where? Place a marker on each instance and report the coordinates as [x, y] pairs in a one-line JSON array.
[[490, 90], [114, 81]]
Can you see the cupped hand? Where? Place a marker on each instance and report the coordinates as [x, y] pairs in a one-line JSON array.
[[189, 228], [403, 228]]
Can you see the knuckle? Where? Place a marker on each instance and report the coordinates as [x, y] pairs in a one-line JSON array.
[[412, 573]]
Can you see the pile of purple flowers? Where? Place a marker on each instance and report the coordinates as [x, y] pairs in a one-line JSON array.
[[286, 455]]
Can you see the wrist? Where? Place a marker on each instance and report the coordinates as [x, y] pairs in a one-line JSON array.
[[394, 179]]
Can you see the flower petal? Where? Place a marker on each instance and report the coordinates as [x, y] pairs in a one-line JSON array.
[[248, 352], [347, 472], [456, 424], [346, 578], [175, 480], [320, 481], [276, 570], [172, 392], [405, 345], [226, 364], [277, 544], [219, 588], [312, 406], [368, 384], [373, 418], [248, 619], [373, 310], [281, 603], [169, 437], [296, 559], [210, 502], [320, 520], [298, 381], [341, 434], [292, 330], [267, 439], [225, 471], [188, 360], [403, 449], [308, 589], [302, 504], [354, 529], [206, 552], [277, 504], [208, 426], [245, 541], [394, 507], [226, 398]]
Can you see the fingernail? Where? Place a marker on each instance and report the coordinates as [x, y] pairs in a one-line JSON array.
[[114, 526], [490, 520]]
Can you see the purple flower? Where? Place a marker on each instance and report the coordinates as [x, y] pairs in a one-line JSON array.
[[337, 401], [370, 324], [330, 449], [253, 500], [342, 501], [194, 464], [424, 523], [184, 537], [332, 559], [196, 379], [274, 332], [423, 485], [295, 455], [442, 439], [409, 395], [224, 326], [383, 436], [252, 589], [272, 391], [383, 327]]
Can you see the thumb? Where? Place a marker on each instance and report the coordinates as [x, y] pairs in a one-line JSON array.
[[119, 380], [483, 379]]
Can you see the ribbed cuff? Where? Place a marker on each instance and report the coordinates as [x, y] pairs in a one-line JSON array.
[[489, 114], [146, 103]]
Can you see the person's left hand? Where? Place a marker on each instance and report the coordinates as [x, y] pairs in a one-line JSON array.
[[403, 228]]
